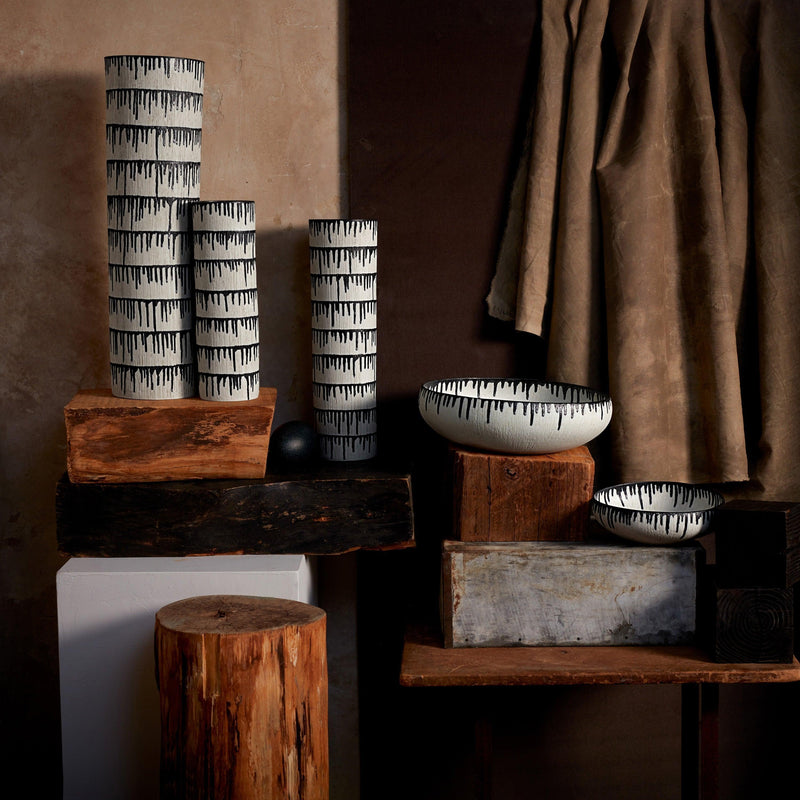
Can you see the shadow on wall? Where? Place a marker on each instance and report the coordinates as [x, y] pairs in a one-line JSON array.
[[54, 340], [284, 301]]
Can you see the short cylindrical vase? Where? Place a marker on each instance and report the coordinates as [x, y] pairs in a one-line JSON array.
[[343, 261], [226, 299]]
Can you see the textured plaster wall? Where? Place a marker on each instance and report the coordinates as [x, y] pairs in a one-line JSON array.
[[272, 133]]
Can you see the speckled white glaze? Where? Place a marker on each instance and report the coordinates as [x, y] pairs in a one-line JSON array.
[[514, 416], [655, 512]]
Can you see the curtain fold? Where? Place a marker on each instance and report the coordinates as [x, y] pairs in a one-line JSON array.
[[653, 234]]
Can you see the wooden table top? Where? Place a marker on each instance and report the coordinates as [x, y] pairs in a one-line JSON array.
[[426, 662]]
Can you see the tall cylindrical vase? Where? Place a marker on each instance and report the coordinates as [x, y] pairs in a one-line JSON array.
[[154, 108], [344, 261], [226, 299]]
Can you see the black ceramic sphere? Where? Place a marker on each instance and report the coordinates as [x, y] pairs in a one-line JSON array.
[[293, 445]]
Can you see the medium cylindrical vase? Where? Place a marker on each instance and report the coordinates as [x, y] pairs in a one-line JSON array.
[[344, 260], [154, 108], [226, 299]]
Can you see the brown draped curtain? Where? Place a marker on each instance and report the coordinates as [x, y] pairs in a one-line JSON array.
[[653, 234]]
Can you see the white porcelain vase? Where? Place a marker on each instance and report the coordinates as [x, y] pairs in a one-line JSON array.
[[226, 299], [154, 109], [343, 260]]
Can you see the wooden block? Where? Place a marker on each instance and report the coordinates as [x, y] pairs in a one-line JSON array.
[[115, 440], [243, 689], [757, 544], [335, 509], [512, 498], [753, 625], [570, 593]]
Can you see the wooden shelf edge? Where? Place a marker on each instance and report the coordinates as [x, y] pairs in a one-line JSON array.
[[426, 662]]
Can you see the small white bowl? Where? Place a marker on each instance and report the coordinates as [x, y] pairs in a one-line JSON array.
[[514, 416], [655, 512]]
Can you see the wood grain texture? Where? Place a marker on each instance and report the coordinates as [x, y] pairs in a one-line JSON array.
[[571, 593], [243, 690], [757, 544], [115, 440], [334, 509], [427, 662], [754, 624], [513, 498]]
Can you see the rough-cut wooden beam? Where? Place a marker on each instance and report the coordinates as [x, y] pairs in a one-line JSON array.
[[333, 510], [116, 440]]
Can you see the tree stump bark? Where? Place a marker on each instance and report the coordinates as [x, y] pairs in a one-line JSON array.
[[244, 699]]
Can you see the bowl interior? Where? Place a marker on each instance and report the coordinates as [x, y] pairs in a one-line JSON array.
[[515, 391], [660, 498]]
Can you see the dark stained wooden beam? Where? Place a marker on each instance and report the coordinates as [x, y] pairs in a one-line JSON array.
[[333, 509]]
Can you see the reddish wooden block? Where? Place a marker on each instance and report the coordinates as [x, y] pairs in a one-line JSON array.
[[521, 498], [116, 440]]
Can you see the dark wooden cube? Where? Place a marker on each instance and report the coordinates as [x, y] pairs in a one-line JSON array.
[[757, 544], [752, 625]]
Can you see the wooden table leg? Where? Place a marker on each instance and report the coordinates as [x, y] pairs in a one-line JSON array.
[[699, 741], [709, 741], [483, 753]]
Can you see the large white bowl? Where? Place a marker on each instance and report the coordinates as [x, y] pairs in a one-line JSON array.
[[514, 416], [655, 512]]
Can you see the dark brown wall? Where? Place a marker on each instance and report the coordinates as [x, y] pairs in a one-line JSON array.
[[434, 99]]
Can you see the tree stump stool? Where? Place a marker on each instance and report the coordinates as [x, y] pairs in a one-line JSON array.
[[243, 690]]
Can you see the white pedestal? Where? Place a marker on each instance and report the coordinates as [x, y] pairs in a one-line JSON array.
[[110, 720]]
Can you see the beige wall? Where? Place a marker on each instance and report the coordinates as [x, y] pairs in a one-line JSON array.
[[272, 133]]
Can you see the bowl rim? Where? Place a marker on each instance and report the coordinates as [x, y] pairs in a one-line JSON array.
[[600, 397], [714, 495]]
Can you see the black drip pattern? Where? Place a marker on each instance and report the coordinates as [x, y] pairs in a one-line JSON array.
[[160, 64], [177, 243], [333, 229], [342, 259], [165, 101], [356, 310], [229, 325], [214, 269], [159, 136], [346, 391], [229, 299], [355, 363], [237, 355], [167, 175], [225, 240], [345, 423], [212, 385], [570, 401], [243, 211], [344, 284], [126, 210], [360, 337], [149, 312], [161, 343], [130, 380], [173, 276]]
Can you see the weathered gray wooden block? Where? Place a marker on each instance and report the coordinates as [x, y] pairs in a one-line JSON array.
[[568, 593]]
